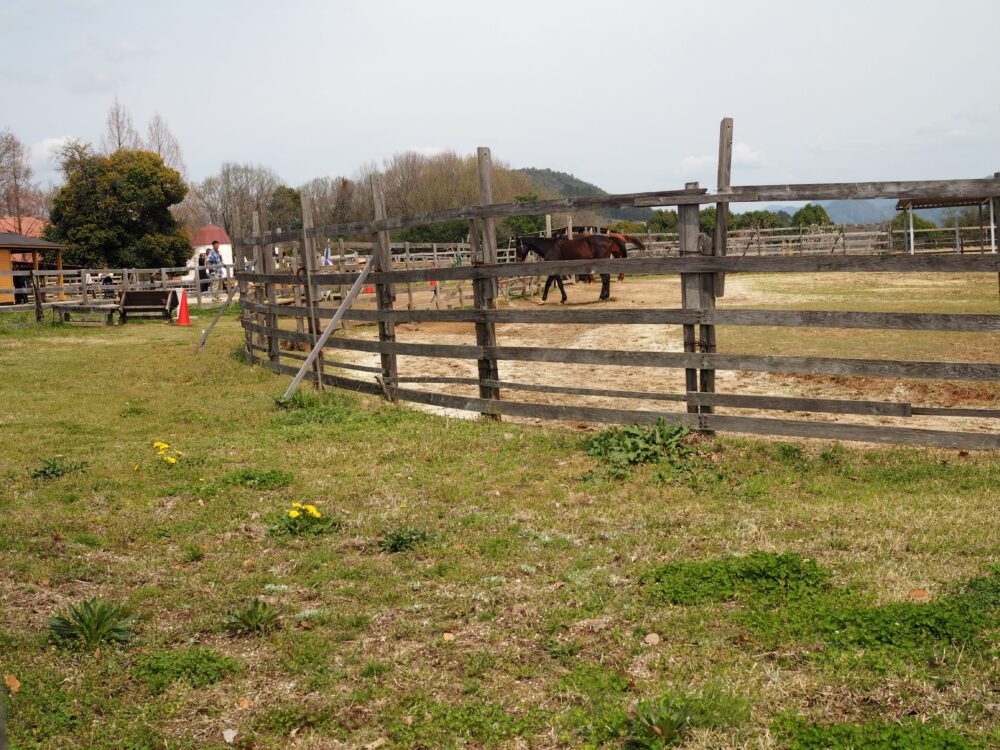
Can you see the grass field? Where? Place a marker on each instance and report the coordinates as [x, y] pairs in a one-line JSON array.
[[468, 584]]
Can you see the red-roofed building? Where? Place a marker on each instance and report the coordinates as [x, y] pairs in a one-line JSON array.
[[27, 226]]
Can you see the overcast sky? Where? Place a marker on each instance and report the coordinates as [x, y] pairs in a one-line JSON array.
[[627, 95]]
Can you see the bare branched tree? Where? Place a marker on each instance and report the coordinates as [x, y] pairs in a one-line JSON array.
[[119, 132], [161, 141], [238, 189], [20, 198]]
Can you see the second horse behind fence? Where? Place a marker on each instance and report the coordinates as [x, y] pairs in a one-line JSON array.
[[591, 247]]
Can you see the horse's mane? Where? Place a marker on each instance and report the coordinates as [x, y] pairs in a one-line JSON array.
[[620, 242]]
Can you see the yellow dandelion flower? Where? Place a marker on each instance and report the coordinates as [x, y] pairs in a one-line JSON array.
[[310, 508], [293, 514], [160, 453], [317, 514], [170, 460], [158, 444], [179, 453], [296, 505], [136, 468]]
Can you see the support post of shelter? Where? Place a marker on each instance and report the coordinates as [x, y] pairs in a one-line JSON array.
[[913, 248], [59, 266], [385, 294]]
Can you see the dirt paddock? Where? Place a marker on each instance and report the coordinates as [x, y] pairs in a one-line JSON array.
[[871, 292]]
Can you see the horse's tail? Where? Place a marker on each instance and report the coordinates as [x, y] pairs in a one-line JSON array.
[[635, 241], [620, 242]]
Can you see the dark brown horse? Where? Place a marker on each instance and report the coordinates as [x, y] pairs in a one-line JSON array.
[[591, 247]]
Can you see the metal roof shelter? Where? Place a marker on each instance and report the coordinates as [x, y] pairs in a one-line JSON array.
[[915, 204], [11, 244]]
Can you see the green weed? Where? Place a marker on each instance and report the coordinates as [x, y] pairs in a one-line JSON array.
[[91, 623], [759, 574], [195, 666], [404, 538], [259, 480], [621, 448], [257, 619], [53, 468], [800, 734]]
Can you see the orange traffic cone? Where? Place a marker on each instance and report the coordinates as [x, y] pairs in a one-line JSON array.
[[183, 319]]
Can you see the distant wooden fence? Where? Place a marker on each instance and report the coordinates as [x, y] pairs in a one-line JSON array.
[[702, 278], [43, 289]]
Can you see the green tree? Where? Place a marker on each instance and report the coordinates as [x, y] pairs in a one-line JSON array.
[[628, 227], [456, 230], [284, 210], [761, 219], [662, 221], [115, 210], [902, 221], [811, 215], [706, 219], [518, 225]]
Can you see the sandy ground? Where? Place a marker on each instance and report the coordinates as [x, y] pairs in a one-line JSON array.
[[665, 292]]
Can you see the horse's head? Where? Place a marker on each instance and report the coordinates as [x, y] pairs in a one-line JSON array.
[[522, 249]]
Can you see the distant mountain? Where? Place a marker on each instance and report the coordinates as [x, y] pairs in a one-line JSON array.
[[874, 211], [567, 186]]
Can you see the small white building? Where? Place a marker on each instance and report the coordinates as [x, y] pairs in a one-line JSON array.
[[203, 243]]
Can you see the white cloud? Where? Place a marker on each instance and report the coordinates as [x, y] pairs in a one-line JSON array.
[[745, 156], [691, 165], [129, 47], [43, 153]]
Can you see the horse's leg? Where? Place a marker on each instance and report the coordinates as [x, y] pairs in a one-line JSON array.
[[562, 289], [621, 277], [605, 286], [548, 283]]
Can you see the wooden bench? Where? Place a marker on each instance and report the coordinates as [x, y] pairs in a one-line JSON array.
[[147, 304], [64, 312]]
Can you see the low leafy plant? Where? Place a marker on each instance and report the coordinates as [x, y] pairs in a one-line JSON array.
[[196, 666], [759, 574], [257, 619], [404, 538], [259, 480], [303, 520], [621, 448], [53, 468], [800, 734], [656, 724], [91, 623]]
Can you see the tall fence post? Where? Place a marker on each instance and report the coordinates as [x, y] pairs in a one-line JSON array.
[[384, 293], [310, 292], [722, 209], [485, 290], [696, 288]]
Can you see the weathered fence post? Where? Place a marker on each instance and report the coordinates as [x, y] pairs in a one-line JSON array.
[[310, 292], [384, 293], [697, 292], [485, 290], [722, 208]]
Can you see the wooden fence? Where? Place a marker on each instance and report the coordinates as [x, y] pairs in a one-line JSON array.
[[702, 282], [43, 289]]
